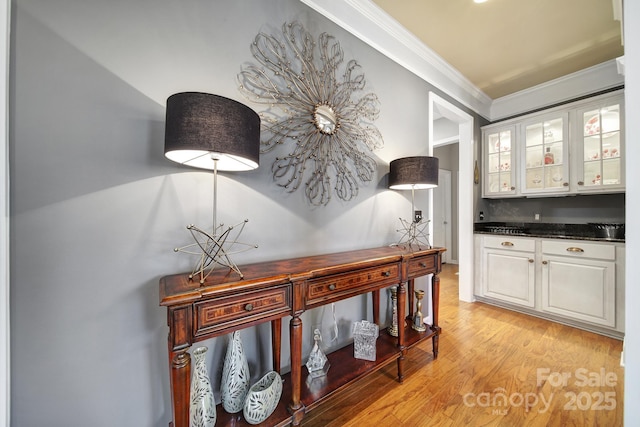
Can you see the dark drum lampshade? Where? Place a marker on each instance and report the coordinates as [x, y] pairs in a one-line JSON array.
[[201, 128], [419, 173]]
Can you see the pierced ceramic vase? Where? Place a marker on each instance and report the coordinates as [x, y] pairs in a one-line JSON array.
[[263, 398], [202, 408], [235, 376]]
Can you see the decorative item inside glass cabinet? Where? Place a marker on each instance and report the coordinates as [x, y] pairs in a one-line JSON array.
[[601, 142], [544, 156], [499, 161]]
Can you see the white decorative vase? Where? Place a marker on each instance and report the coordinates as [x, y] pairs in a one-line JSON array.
[[235, 376], [202, 409], [263, 398]]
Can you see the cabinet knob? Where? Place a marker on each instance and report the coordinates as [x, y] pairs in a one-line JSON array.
[[423, 264], [580, 182], [248, 307], [332, 287], [513, 188], [509, 244], [545, 262], [530, 260], [386, 274], [574, 249], [565, 184]]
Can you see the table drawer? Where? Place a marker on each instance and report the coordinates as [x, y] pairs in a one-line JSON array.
[[339, 286], [422, 265], [242, 309]]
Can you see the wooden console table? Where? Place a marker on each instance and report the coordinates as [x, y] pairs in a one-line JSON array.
[[275, 289]]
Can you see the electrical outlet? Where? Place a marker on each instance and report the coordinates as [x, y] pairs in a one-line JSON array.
[[417, 216], [536, 217]]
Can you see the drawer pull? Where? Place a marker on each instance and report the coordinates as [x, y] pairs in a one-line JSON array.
[[423, 264], [507, 244], [545, 262], [580, 182], [531, 260], [386, 273], [248, 307], [332, 287], [574, 249]]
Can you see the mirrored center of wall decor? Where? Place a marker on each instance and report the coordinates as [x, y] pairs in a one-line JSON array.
[[325, 119], [317, 113]]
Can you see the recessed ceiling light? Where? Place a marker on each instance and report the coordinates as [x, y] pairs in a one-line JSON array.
[[479, 1]]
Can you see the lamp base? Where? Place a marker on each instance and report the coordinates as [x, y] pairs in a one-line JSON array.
[[414, 234], [215, 249]]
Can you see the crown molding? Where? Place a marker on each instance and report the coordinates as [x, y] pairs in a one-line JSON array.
[[582, 83], [368, 22]]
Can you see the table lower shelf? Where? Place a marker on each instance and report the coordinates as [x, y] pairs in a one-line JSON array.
[[345, 369]]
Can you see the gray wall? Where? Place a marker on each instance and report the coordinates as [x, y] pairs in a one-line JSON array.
[[97, 210]]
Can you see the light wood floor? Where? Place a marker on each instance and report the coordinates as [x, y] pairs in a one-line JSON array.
[[487, 353]]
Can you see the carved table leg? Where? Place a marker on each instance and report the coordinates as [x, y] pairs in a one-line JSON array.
[[180, 383], [435, 305], [402, 293], [296, 407], [376, 306], [276, 343]]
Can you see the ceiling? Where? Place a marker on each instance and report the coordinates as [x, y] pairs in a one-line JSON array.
[[505, 46]]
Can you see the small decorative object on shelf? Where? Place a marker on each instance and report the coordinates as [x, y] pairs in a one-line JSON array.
[[418, 319], [365, 334], [235, 376], [548, 157], [393, 329], [318, 364], [263, 398], [202, 409]]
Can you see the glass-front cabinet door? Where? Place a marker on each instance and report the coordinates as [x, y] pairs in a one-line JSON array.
[[545, 160], [500, 155], [600, 145]]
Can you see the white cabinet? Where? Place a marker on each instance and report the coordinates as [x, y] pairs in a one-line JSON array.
[[508, 266], [499, 150], [599, 143], [570, 149], [546, 154], [578, 281]]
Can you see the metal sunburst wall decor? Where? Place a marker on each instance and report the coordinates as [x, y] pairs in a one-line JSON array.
[[326, 118]]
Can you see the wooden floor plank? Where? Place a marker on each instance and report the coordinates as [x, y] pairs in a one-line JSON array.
[[487, 352]]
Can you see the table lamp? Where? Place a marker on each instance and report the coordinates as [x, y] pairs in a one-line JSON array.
[[414, 173], [212, 132]]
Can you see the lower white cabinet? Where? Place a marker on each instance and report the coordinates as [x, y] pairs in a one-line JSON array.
[[509, 274], [577, 282]]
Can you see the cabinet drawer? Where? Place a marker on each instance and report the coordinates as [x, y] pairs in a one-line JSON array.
[[226, 312], [579, 249], [339, 286], [422, 265], [510, 243]]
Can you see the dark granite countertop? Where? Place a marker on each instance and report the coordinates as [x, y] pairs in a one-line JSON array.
[[556, 231]]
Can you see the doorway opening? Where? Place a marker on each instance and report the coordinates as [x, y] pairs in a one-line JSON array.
[[463, 123]]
